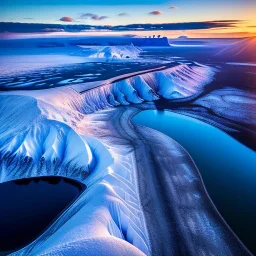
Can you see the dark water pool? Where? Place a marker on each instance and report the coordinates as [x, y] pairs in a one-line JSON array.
[[29, 206], [228, 168]]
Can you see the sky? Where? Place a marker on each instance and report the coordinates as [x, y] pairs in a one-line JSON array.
[[123, 12]]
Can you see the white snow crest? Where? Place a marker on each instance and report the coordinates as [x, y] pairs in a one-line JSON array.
[[173, 83]]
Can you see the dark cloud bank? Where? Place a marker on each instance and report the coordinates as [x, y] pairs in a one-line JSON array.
[[32, 27]]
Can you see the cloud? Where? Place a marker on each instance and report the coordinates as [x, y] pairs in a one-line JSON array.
[[96, 17], [28, 18], [66, 19], [123, 14], [173, 7], [28, 27], [155, 13], [86, 15], [53, 30], [181, 26], [227, 21], [92, 16]]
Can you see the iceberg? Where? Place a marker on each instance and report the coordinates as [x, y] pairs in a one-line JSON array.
[[109, 53]]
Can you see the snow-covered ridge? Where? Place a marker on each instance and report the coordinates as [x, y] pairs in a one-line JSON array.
[[109, 52], [44, 141], [37, 146], [180, 81]]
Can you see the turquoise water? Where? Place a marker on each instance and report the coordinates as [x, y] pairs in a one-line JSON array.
[[228, 168]]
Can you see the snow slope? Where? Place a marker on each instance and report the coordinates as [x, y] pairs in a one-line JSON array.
[[48, 141]]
